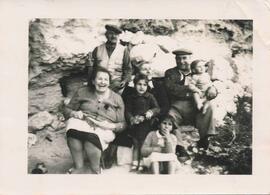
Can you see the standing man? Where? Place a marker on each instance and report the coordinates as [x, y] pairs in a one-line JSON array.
[[114, 57], [183, 109]]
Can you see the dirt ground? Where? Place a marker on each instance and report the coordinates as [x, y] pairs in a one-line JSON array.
[[56, 156]]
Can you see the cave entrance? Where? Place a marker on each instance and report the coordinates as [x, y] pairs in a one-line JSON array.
[[71, 83]]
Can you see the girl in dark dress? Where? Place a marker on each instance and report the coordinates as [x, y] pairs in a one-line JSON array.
[[140, 108]]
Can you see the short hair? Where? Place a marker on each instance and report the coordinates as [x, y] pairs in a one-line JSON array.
[[139, 77], [169, 117], [195, 63], [94, 75]]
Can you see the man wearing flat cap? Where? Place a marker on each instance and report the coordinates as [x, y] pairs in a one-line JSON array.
[[114, 57], [183, 109]]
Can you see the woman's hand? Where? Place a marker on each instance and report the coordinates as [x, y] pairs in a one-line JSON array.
[[119, 126], [77, 114]]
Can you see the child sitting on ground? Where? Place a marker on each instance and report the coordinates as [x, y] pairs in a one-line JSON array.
[[201, 85], [140, 107], [159, 147]]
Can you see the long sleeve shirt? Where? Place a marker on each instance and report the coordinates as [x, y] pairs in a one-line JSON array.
[[86, 101], [175, 85], [155, 139], [139, 104]]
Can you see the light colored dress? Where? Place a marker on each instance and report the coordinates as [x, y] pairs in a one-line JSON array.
[[155, 139], [99, 117]]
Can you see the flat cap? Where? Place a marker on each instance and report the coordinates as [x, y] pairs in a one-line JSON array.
[[113, 28], [182, 52]]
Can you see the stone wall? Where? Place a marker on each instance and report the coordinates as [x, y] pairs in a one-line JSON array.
[[59, 54]]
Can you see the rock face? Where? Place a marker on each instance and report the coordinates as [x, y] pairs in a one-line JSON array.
[[59, 53], [39, 121], [57, 49], [59, 56]]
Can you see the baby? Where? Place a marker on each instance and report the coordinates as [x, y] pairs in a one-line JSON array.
[[201, 85]]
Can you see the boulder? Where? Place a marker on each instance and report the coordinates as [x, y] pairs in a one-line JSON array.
[[39, 121], [152, 54], [32, 139], [45, 99], [60, 50]]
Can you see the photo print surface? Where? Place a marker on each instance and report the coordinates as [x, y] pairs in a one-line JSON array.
[[197, 76]]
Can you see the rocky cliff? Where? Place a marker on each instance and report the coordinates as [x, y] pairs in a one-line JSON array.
[[59, 54]]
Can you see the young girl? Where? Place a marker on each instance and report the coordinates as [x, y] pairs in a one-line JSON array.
[[201, 85], [140, 108], [159, 147]]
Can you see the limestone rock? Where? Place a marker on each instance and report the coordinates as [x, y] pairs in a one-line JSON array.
[[39, 121], [153, 27], [46, 98], [60, 51], [32, 139], [58, 125]]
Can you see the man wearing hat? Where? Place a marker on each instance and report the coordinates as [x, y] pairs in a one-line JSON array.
[[183, 108], [114, 57]]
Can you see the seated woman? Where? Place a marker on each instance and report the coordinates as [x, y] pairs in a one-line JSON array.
[[95, 113]]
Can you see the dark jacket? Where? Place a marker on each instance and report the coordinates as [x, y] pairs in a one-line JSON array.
[[140, 104], [174, 82]]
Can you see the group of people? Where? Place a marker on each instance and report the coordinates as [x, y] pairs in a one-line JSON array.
[[121, 96]]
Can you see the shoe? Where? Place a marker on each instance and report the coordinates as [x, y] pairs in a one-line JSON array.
[[192, 149], [140, 168], [70, 170], [203, 143], [133, 168]]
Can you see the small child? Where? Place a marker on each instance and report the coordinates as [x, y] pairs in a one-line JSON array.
[[159, 147], [201, 85], [140, 107]]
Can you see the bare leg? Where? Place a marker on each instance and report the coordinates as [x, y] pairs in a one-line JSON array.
[[140, 161], [155, 168], [171, 167], [135, 154], [198, 101], [76, 150], [93, 154], [205, 106]]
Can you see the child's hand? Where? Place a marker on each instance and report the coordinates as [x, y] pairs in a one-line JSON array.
[[135, 120], [165, 133], [148, 114], [132, 120], [141, 118]]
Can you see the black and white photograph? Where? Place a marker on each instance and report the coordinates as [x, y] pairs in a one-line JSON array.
[[140, 96], [134, 97]]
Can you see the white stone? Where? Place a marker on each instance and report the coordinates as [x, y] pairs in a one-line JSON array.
[[40, 120]]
